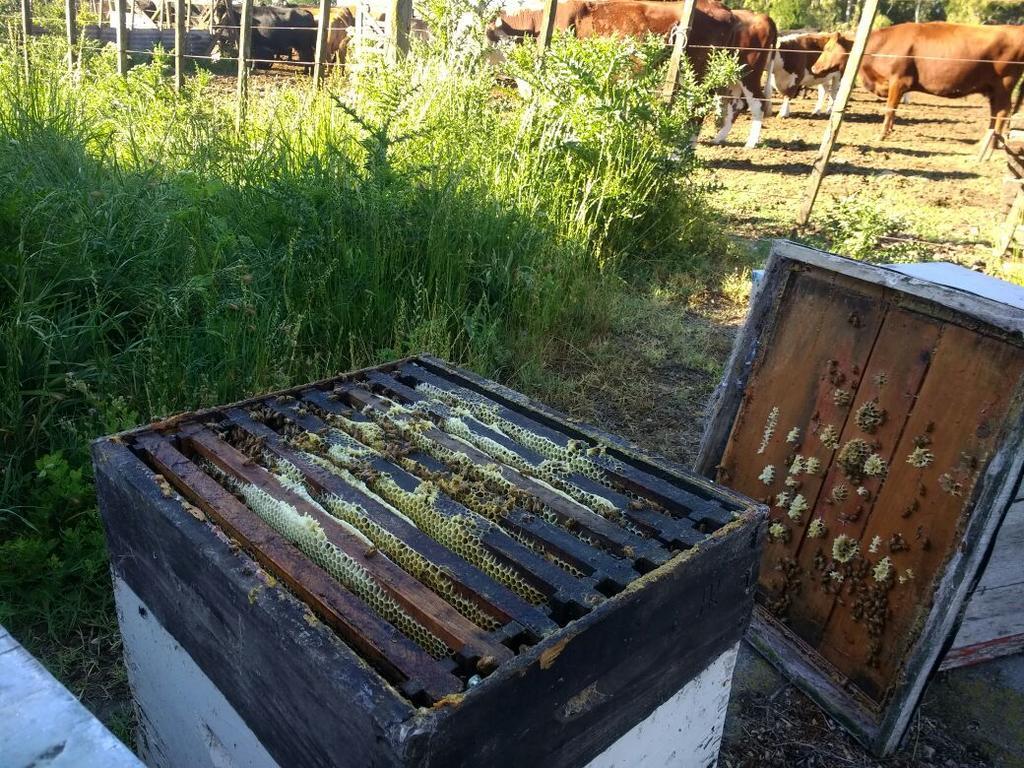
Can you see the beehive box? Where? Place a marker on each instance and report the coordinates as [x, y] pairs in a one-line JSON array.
[[410, 565], [879, 415]]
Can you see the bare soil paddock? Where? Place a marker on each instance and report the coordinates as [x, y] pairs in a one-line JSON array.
[[926, 172]]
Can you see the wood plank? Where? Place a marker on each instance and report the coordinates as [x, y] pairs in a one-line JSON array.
[[493, 598], [892, 380], [961, 407], [270, 655], [793, 378], [697, 500], [993, 613], [561, 589], [963, 656], [1004, 564], [667, 529], [835, 118], [452, 628], [950, 301], [396, 657]]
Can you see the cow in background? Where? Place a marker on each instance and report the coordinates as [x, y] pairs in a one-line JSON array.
[[713, 26], [342, 19], [949, 60], [790, 71], [277, 31]]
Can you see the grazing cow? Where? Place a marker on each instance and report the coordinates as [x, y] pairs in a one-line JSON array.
[[790, 71], [950, 60], [713, 26], [276, 32]]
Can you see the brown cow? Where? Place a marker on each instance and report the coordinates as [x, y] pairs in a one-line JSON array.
[[341, 20], [713, 25], [790, 71], [950, 60]]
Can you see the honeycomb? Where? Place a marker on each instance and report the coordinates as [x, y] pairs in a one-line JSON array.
[[829, 437], [459, 533], [489, 477], [875, 466], [920, 457], [771, 423], [852, 457], [844, 548], [870, 416], [574, 456], [309, 537], [357, 521]]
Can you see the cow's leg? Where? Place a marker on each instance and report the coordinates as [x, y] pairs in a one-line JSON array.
[[820, 104], [833, 89], [784, 109], [896, 91], [729, 111], [999, 112], [757, 110]]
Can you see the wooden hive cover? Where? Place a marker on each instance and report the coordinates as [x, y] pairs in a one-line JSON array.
[[879, 415]]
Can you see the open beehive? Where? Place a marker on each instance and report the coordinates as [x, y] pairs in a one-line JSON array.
[[453, 568], [879, 416]]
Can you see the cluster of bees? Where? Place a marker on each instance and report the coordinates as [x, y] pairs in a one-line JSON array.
[[841, 566]]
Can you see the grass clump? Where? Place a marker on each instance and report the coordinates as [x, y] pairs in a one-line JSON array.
[[154, 259]]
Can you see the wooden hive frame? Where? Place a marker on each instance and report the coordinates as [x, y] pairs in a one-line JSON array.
[[557, 621], [874, 705]]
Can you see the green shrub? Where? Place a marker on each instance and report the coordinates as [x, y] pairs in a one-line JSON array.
[[860, 228]]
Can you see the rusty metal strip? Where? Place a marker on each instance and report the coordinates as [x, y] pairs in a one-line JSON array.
[[397, 658]]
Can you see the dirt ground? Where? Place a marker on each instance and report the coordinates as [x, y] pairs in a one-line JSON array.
[[926, 172]]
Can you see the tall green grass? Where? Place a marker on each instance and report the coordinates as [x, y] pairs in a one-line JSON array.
[[153, 259]]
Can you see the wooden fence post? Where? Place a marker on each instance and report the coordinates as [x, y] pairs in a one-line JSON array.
[[860, 41], [244, 49], [547, 25], [322, 29], [682, 33], [26, 34], [122, 38], [399, 20], [180, 42], [71, 30]]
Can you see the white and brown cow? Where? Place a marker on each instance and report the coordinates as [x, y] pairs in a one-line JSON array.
[[713, 26], [790, 71]]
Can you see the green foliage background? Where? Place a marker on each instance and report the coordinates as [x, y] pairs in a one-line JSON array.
[[153, 259]]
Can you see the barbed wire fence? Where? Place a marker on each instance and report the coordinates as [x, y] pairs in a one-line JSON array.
[[189, 31]]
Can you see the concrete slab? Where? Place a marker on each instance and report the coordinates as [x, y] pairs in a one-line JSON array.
[[42, 725], [984, 704]]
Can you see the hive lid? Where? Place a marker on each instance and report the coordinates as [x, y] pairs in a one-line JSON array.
[[877, 409]]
